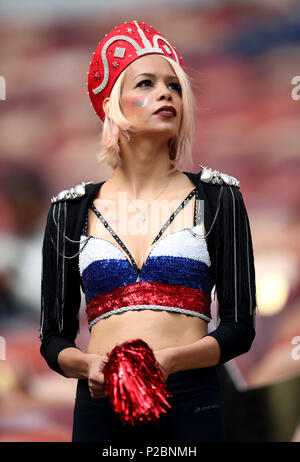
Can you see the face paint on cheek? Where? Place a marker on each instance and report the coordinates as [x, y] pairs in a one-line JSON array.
[[139, 101]]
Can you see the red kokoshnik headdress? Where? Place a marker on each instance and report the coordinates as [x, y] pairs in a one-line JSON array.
[[120, 47]]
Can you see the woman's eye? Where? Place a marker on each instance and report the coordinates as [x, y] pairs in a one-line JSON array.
[[143, 81], [148, 82], [176, 86]]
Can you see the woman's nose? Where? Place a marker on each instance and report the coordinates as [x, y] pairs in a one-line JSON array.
[[164, 93], [167, 96]]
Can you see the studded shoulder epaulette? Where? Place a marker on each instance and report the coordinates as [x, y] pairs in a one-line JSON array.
[[214, 176], [73, 193]]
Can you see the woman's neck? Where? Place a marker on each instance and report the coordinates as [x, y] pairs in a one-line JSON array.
[[144, 169]]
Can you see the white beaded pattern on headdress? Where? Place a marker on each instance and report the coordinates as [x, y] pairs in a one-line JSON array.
[[120, 52]]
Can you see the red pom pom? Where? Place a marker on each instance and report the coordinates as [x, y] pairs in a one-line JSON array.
[[135, 383]]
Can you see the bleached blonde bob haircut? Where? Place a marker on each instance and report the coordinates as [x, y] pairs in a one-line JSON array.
[[180, 146]]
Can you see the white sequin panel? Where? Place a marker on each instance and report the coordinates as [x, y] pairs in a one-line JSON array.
[[183, 244], [97, 249]]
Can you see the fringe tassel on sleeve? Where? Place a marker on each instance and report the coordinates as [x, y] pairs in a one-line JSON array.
[[236, 272], [53, 270], [235, 276]]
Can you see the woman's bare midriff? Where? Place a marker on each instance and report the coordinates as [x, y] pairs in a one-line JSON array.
[[160, 329]]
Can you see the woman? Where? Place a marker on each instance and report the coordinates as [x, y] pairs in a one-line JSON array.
[[146, 274]]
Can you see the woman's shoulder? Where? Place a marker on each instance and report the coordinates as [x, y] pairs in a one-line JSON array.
[[215, 177], [68, 207], [214, 185], [77, 197], [210, 176], [74, 192]]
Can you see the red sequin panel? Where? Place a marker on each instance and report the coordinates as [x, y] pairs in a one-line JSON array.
[[150, 293]]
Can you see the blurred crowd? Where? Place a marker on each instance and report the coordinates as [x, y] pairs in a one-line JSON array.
[[241, 58]]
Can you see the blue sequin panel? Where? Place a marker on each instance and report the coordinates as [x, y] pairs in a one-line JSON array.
[[178, 271], [105, 276]]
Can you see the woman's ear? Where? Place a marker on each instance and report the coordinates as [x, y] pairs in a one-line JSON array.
[[105, 106]]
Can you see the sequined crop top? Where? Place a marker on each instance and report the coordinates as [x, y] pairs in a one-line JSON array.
[[175, 277]]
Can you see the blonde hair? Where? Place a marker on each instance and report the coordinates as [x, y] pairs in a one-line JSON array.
[[180, 146]]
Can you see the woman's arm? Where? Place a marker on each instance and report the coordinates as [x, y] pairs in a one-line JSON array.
[[235, 277], [60, 290], [202, 353], [74, 363], [78, 365], [235, 288]]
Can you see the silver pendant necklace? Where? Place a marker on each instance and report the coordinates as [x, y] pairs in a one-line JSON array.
[[143, 218]]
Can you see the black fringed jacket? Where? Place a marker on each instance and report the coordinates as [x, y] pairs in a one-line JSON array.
[[229, 244]]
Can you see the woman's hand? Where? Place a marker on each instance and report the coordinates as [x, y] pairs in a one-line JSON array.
[[95, 375], [165, 360]]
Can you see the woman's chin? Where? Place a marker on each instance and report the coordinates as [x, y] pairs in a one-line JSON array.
[[158, 131]]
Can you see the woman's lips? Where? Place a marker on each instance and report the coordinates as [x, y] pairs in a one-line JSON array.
[[165, 114], [166, 110]]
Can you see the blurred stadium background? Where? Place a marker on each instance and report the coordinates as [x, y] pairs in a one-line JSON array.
[[243, 60]]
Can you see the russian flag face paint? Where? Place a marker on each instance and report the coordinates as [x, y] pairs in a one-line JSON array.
[[139, 101]]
